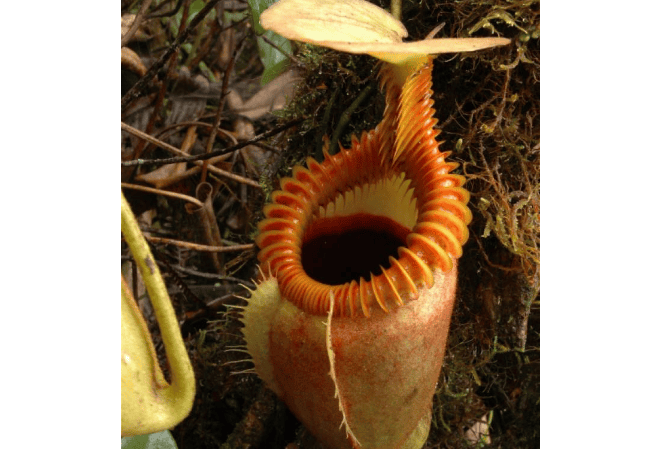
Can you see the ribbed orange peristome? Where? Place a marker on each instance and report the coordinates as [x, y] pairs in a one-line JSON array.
[[403, 143]]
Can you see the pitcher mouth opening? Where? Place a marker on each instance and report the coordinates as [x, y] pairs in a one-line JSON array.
[[359, 227]]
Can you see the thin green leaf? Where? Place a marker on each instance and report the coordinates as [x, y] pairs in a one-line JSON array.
[[274, 61]]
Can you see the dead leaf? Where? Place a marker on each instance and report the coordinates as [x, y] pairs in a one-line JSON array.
[[171, 173], [272, 97], [189, 98], [131, 61], [126, 22]]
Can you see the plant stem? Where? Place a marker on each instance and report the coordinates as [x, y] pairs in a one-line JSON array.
[[396, 9]]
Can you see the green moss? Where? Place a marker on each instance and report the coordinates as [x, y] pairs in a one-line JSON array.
[[333, 81]]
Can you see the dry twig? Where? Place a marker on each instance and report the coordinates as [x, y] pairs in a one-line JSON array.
[[213, 154], [198, 247], [197, 160], [163, 192]]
